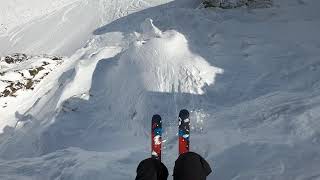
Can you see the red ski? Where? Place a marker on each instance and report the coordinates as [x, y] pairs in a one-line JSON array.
[[184, 131], [156, 136]]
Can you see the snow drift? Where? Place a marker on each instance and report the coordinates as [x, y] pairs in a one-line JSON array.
[[160, 65]]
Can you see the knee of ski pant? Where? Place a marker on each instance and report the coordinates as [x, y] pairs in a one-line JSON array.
[[151, 169], [191, 166]]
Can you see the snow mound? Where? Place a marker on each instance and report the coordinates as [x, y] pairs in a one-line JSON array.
[[163, 64], [149, 30], [156, 70]]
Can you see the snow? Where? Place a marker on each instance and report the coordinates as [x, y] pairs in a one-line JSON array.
[[164, 65], [149, 30], [18, 12], [84, 69], [19, 79], [59, 27], [11, 76], [250, 78]]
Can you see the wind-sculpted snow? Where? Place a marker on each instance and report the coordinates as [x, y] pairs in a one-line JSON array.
[[163, 63], [157, 67]]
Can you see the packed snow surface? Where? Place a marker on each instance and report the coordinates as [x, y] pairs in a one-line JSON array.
[[250, 78]]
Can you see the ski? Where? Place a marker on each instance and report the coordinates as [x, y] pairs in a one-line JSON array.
[[184, 131], [156, 136]]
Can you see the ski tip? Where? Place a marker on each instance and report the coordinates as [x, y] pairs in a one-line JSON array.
[[156, 117], [184, 114]]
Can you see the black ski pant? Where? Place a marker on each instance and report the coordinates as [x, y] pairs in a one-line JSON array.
[[188, 166]]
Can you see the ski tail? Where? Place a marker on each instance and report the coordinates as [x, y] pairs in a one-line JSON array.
[[156, 136], [184, 131]]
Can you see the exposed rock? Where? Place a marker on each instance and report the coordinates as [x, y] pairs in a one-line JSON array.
[[20, 57], [16, 76], [15, 58], [228, 4], [260, 3], [34, 72]]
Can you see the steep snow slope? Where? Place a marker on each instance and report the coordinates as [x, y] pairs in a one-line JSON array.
[[55, 27], [18, 12], [48, 29], [59, 26], [249, 76]]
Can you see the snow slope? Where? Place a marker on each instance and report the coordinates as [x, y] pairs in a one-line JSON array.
[[46, 26], [18, 12], [58, 26], [250, 78]]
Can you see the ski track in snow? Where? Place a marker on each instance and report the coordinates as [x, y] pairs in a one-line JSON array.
[[250, 78]]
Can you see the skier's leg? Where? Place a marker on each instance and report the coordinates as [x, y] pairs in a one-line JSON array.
[[151, 169], [191, 166]]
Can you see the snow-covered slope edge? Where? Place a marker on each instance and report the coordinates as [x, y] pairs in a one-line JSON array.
[[21, 83], [59, 27]]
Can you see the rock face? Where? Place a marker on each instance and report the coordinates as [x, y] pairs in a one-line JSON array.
[[15, 58], [228, 4], [22, 72], [260, 3]]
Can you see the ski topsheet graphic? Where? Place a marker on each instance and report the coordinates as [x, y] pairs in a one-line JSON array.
[[156, 136], [184, 131]]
